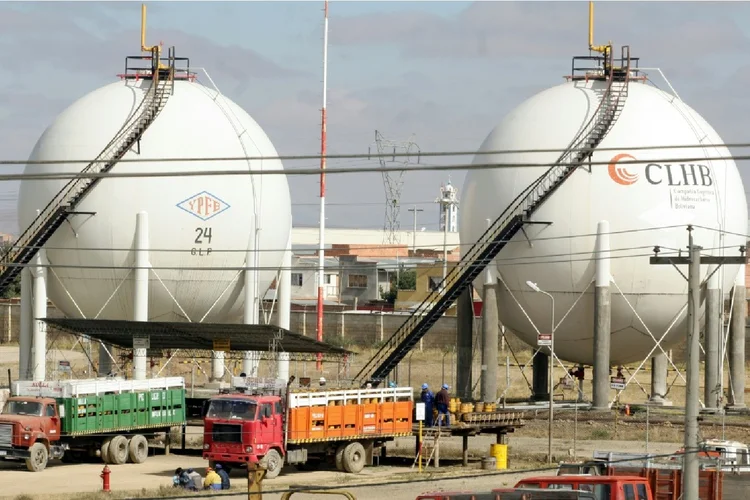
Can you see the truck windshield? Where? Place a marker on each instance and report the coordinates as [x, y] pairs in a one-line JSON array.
[[232, 409], [23, 408]]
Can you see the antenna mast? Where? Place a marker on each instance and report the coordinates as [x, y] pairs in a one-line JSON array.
[[321, 246]]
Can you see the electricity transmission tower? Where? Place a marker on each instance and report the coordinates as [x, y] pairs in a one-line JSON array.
[[394, 181]]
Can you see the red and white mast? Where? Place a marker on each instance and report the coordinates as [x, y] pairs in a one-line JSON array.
[[321, 244]]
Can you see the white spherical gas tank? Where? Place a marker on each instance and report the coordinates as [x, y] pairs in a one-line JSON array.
[[195, 223], [646, 205]]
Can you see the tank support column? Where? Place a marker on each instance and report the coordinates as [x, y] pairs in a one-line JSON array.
[[737, 343], [464, 331], [712, 340], [540, 377], [490, 334], [602, 319], [285, 305], [27, 319], [251, 359], [39, 327], [659, 367], [140, 299]]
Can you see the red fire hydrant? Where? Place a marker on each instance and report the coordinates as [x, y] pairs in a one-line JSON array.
[[105, 478]]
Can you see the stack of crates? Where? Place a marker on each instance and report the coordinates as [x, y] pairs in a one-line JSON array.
[[96, 405], [350, 414]]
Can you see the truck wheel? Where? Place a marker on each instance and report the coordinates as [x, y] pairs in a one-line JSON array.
[[340, 458], [38, 459], [273, 462], [354, 457], [118, 450], [138, 449], [105, 451]]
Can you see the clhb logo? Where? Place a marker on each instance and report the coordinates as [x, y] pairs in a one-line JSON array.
[[619, 173], [668, 174], [203, 205]]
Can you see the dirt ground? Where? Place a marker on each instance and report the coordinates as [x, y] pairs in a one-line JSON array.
[[67, 481]]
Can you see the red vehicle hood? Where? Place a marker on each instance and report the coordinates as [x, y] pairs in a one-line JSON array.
[[27, 420]]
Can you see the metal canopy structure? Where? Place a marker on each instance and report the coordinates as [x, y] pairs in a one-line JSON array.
[[195, 336]]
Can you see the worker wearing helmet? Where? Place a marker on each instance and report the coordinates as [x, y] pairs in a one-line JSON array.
[[322, 381], [428, 399], [392, 384], [441, 401]]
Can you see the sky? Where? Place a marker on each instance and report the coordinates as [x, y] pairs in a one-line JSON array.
[[440, 74]]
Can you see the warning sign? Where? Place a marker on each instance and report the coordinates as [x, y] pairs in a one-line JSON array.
[[617, 383], [544, 339]]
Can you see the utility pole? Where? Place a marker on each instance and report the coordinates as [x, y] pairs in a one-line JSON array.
[[414, 234], [690, 469]]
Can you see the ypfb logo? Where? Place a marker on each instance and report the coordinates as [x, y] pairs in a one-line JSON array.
[[619, 173], [203, 205]]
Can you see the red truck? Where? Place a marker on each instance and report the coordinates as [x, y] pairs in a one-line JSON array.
[[346, 427]]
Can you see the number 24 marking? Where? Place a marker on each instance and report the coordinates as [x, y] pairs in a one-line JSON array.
[[203, 232]]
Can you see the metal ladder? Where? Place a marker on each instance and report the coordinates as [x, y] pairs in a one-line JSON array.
[[502, 229], [57, 210]]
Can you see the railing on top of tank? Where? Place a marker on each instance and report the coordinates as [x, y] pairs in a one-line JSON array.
[[180, 65], [581, 72], [526, 200], [71, 189]]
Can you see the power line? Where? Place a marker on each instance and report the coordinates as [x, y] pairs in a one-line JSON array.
[[344, 170], [374, 156]]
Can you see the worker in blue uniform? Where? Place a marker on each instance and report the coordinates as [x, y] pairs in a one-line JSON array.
[[428, 398]]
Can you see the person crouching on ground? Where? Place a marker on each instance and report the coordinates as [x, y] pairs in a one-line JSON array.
[[224, 475], [212, 481]]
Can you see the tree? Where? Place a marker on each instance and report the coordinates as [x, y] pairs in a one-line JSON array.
[[407, 280]]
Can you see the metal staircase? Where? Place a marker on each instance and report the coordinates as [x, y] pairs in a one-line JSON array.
[[506, 226], [65, 201]]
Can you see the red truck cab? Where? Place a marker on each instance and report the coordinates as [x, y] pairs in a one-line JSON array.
[[242, 427], [609, 487], [29, 429]]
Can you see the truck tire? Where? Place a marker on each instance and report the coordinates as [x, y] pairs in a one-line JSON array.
[[354, 457], [340, 458], [273, 462], [138, 449], [38, 459], [118, 450], [105, 451]]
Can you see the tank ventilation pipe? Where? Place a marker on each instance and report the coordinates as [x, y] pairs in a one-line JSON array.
[[594, 48]]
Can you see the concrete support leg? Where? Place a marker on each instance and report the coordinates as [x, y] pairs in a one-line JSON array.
[[540, 377], [140, 299], [659, 365], [25, 334], [465, 336], [602, 319], [490, 333], [465, 451], [217, 366], [105, 361], [39, 327], [285, 306], [737, 343], [711, 341], [251, 359]]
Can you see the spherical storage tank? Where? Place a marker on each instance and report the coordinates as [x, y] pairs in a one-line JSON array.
[[641, 202], [194, 222]]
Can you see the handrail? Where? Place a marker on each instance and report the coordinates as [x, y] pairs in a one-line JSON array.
[[111, 153], [523, 204]]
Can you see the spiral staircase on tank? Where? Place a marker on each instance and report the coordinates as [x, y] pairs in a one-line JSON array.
[[508, 223], [65, 201]]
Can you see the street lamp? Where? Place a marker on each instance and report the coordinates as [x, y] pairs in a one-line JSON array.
[[536, 288]]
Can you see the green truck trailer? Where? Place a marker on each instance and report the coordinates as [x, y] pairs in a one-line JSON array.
[[76, 420]]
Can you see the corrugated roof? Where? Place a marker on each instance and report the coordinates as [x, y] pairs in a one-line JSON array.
[[193, 336]]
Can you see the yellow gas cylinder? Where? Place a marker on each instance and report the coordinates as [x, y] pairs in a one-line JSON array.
[[500, 452], [467, 407], [490, 407], [479, 407], [453, 405]]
